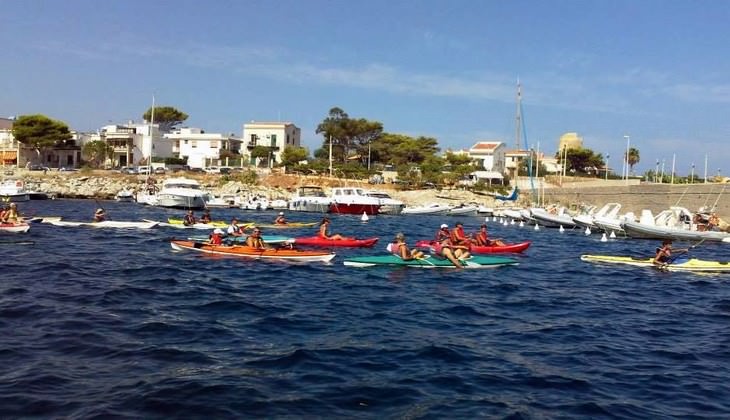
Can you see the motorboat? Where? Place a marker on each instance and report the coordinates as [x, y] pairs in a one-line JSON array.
[[183, 193], [463, 210], [353, 200], [433, 208], [646, 231], [224, 201], [13, 190], [125, 196], [553, 218], [388, 205], [256, 202], [613, 224], [310, 198], [586, 220]]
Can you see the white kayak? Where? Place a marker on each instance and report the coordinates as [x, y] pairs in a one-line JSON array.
[[105, 224], [14, 227]]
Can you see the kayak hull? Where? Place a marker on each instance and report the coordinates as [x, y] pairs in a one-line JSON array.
[[105, 224], [476, 249], [346, 242], [428, 262], [14, 228], [289, 225], [689, 265], [248, 252], [269, 239]]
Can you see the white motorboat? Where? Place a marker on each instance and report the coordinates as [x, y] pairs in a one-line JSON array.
[[278, 204], [548, 218], [256, 203], [678, 233], [463, 210], [353, 200], [388, 205], [433, 208], [125, 196], [310, 198], [586, 220], [182, 193], [13, 190], [224, 201]]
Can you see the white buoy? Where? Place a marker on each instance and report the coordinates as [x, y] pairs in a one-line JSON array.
[[561, 230], [494, 218], [537, 227], [613, 235], [512, 222], [603, 237], [522, 224], [364, 217], [588, 230], [486, 219], [505, 222]]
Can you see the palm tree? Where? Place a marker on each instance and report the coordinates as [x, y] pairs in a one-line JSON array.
[[633, 158]]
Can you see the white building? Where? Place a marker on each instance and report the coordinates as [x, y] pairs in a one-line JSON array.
[[201, 149], [8, 145], [490, 156], [133, 144], [276, 136]]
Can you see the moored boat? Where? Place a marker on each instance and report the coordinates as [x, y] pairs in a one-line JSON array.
[[646, 231], [249, 252], [310, 198], [350, 200], [428, 262], [433, 208], [13, 190]]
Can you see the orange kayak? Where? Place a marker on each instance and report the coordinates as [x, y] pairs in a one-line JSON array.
[[247, 251]]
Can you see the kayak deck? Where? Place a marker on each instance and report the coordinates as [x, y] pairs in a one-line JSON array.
[[479, 249], [681, 264], [344, 242], [246, 251]]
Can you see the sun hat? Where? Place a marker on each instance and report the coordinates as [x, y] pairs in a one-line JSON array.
[[218, 231], [281, 213], [99, 211], [444, 226]]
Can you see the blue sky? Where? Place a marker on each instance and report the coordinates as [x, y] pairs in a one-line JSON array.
[[654, 70]]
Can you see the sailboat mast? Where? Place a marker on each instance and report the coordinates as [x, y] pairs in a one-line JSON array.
[[518, 122]]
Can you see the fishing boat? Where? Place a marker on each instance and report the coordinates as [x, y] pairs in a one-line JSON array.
[[679, 264], [14, 227], [13, 190], [344, 242], [428, 262], [480, 249], [249, 252]]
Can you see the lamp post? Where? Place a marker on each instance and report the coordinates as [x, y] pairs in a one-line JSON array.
[[628, 143], [656, 172], [692, 174], [369, 156], [607, 157]]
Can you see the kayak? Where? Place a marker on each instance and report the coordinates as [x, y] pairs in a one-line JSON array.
[[290, 225], [345, 242], [680, 264], [478, 249], [210, 225], [104, 224], [269, 239], [246, 251], [14, 227], [428, 262]]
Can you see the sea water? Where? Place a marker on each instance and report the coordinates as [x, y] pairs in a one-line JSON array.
[[114, 323]]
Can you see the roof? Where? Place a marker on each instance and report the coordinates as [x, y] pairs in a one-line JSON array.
[[486, 145], [6, 124]]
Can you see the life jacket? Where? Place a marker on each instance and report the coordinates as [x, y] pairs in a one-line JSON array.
[[323, 231], [481, 238], [216, 239], [440, 235], [457, 236]]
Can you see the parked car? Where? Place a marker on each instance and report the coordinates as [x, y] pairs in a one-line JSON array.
[[212, 170], [144, 170], [159, 170], [39, 168], [67, 169], [128, 170]]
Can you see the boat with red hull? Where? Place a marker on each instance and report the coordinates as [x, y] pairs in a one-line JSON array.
[[352, 200], [345, 242], [478, 249]]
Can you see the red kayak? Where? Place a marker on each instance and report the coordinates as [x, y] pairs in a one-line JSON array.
[[348, 242], [477, 249]]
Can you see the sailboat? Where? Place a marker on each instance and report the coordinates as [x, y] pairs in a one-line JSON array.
[[148, 194]]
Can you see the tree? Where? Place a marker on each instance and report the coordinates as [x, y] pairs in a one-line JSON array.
[[292, 155], [633, 157], [40, 132], [399, 149], [261, 152], [346, 134], [96, 152], [166, 116], [581, 160]]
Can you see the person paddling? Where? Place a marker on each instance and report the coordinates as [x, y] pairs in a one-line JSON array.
[[216, 238], [255, 240], [400, 248], [280, 219], [481, 238], [99, 215], [205, 218], [11, 214], [234, 229], [664, 253], [189, 218], [323, 231], [443, 233]]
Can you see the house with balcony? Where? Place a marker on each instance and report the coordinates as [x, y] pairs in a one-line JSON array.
[[275, 136], [134, 144], [490, 158], [203, 149]]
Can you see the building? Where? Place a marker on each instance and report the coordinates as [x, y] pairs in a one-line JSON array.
[[513, 160], [570, 141], [13, 153], [8, 145], [490, 158], [202, 149], [134, 144], [276, 136]]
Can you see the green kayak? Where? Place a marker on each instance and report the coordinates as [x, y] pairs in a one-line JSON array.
[[428, 262]]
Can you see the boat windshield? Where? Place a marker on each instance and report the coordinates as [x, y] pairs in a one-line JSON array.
[[188, 186], [311, 192]]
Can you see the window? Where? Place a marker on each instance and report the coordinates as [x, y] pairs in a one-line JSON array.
[[186, 141], [213, 144], [194, 143], [254, 137], [273, 140]]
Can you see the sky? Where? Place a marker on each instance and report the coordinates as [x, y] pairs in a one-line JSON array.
[[656, 71]]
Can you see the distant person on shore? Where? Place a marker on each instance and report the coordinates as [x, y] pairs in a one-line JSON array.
[[664, 253], [280, 219], [255, 240], [324, 231], [235, 229], [99, 215], [481, 238], [189, 218], [400, 248], [216, 238], [443, 233]]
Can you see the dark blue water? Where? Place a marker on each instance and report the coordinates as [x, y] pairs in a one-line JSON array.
[[113, 323]]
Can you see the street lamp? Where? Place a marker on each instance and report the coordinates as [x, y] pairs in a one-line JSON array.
[[607, 157], [692, 174], [656, 172], [628, 142]]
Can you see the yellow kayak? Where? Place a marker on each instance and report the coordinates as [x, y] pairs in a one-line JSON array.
[[680, 264], [212, 224]]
